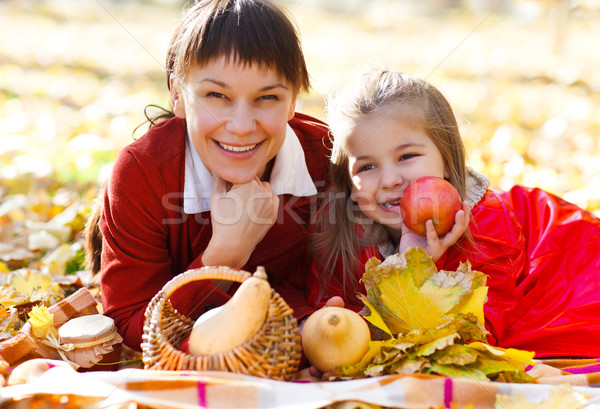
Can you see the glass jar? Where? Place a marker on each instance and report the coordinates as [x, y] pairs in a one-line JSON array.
[[92, 342]]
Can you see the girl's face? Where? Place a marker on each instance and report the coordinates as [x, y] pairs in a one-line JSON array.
[[236, 116], [385, 154]]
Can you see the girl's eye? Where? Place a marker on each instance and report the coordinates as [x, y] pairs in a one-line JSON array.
[[407, 156], [364, 168]]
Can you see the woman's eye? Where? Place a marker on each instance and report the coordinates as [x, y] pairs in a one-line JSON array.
[[364, 168], [215, 94], [269, 97]]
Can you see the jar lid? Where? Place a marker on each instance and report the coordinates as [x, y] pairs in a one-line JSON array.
[[86, 329]]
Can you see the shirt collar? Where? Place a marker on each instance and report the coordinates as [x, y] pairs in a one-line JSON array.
[[289, 175]]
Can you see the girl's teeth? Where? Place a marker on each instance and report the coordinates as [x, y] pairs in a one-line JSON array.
[[387, 205], [237, 148]]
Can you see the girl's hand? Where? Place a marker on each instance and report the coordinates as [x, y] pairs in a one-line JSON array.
[[311, 373], [335, 301], [241, 216], [433, 244]]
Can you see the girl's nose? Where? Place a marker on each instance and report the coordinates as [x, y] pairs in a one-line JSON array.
[[241, 121], [391, 180]]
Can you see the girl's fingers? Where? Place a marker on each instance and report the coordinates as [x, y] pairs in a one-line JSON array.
[[405, 229], [463, 216], [467, 210], [335, 301], [461, 223], [314, 372], [459, 219], [432, 235]]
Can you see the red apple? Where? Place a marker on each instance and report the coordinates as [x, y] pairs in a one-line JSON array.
[[428, 198]]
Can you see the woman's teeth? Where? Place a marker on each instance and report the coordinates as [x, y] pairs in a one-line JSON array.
[[237, 148]]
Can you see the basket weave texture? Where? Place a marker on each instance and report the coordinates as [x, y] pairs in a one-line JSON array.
[[273, 352]]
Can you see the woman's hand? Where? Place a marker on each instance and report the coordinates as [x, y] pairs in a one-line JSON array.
[[433, 244], [241, 216]]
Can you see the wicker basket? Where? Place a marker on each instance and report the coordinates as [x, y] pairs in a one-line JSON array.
[[274, 352]]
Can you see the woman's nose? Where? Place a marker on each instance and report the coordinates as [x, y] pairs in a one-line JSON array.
[[241, 120]]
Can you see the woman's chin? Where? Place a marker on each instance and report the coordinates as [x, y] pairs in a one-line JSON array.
[[238, 179]]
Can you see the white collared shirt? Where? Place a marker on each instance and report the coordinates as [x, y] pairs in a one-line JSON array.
[[288, 176]]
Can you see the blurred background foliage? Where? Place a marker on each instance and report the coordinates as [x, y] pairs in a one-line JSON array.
[[75, 76]]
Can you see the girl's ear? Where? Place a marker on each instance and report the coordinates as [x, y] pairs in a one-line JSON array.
[[177, 101], [292, 109]]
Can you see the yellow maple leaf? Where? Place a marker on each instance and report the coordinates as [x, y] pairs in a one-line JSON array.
[[409, 293], [9, 297], [42, 322], [515, 356], [473, 304], [430, 315], [420, 265], [29, 282], [375, 318]]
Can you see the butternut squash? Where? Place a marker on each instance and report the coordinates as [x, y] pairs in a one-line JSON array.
[[236, 321], [333, 337]]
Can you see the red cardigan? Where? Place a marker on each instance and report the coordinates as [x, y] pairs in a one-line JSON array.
[[542, 258], [148, 239]]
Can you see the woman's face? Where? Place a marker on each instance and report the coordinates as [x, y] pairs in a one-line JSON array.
[[385, 154], [236, 116]]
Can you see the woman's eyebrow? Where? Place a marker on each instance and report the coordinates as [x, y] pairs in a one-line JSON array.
[[270, 87], [224, 85], [214, 81]]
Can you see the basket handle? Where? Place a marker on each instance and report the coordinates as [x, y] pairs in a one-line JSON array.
[[204, 273]]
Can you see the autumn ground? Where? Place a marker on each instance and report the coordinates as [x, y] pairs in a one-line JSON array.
[[75, 76]]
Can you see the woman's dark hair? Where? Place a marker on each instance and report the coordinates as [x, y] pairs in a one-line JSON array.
[[246, 31]]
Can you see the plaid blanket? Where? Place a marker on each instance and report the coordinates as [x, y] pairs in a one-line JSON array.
[[165, 389], [582, 372], [168, 389]]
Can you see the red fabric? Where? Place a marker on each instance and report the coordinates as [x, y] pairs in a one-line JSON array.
[[542, 258], [148, 239]]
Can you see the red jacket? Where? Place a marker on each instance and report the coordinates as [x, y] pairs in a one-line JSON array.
[[542, 258], [148, 239]]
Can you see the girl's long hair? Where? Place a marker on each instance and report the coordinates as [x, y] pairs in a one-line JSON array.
[[342, 231]]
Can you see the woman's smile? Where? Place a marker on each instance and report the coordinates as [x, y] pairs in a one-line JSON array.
[[236, 116], [237, 148]]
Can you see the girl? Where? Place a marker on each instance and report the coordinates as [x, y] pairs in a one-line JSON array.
[[541, 254], [231, 179]]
